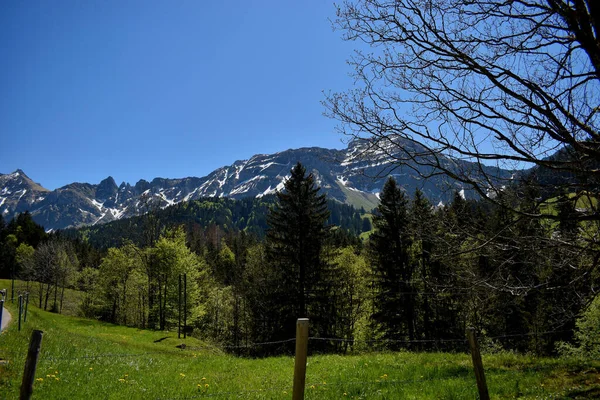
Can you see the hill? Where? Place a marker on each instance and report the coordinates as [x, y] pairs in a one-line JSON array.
[[83, 358]]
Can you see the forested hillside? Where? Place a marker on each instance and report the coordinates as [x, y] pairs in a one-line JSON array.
[[225, 215], [254, 266]]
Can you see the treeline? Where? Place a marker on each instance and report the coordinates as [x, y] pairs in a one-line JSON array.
[[423, 276], [49, 262], [248, 215]]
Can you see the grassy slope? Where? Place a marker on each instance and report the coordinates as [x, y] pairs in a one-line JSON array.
[[72, 298], [87, 359], [359, 199]]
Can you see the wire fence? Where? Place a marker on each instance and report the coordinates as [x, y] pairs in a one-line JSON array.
[[312, 385], [147, 356]]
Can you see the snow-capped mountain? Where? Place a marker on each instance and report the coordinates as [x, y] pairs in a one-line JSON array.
[[354, 175]]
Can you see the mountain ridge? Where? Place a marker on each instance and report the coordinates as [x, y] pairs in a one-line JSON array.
[[354, 175]]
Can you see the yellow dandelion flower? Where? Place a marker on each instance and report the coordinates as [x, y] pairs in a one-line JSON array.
[[126, 375], [39, 379], [384, 375], [203, 379], [312, 386], [121, 380], [56, 372], [284, 392], [345, 394], [47, 376], [91, 369], [182, 374], [324, 383], [206, 385], [57, 379]]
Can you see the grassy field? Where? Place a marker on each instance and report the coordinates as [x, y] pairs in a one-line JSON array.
[[88, 359], [72, 298]]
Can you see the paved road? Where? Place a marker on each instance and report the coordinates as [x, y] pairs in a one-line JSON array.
[[5, 318]]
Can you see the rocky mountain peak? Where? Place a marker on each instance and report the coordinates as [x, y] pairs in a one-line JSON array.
[[106, 189], [354, 175]]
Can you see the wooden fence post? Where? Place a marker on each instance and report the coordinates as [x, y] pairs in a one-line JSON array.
[[30, 365], [301, 355], [477, 365], [20, 301], [185, 305], [1, 311], [26, 304], [179, 310]]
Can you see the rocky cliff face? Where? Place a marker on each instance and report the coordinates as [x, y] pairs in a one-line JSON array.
[[354, 175]]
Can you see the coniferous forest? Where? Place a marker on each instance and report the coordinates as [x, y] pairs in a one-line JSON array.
[[407, 275]]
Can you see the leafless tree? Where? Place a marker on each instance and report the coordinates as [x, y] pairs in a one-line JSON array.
[[472, 89], [504, 83]]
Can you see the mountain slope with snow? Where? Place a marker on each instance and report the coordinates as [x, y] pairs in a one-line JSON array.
[[354, 176]]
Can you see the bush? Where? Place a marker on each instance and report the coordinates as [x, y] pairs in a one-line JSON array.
[[586, 334]]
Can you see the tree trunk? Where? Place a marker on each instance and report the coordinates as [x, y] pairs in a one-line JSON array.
[[62, 296], [55, 306], [124, 301], [48, 288], [41, 293]]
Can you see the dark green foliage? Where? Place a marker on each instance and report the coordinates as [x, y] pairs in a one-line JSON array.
[[390, 250], [294, 243], [20, 230], [248, 215], [425, 274]]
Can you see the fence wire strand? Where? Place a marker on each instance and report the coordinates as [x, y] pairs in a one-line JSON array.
[[313, 338]]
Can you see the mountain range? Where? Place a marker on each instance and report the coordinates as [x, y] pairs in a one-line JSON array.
[[354, 175]]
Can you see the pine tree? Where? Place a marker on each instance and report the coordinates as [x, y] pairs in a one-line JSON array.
[[295, 240], [390, 250], [422, 228]]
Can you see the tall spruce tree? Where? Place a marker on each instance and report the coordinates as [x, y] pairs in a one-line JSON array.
[[390, 251], [295, 240], [422, 228]]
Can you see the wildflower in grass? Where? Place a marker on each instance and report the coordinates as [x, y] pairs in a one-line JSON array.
[[57, 379], [312, 386], [206, 385], [181, 374], [91, 369], [40, 379], [121, 380], [384, 376], [203, 379], [345, 394]]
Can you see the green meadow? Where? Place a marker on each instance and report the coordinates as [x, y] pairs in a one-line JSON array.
[[87, 359]]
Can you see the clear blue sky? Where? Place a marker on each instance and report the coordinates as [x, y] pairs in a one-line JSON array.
[[140, 89]]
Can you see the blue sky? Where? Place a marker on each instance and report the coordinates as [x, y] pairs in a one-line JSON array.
[[141, 89]]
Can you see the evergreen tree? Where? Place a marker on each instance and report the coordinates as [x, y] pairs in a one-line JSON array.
[[295, 240], [422, 228], [390, 249]]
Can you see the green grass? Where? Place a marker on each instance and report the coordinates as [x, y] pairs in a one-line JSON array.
[[85, 359], [71, 301], [359, 199]]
